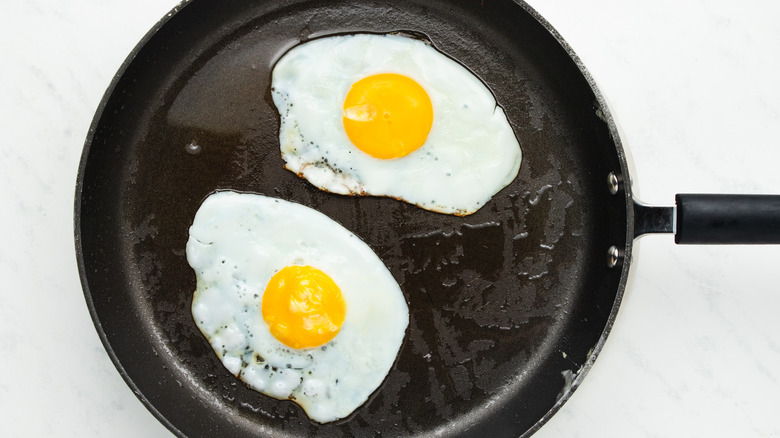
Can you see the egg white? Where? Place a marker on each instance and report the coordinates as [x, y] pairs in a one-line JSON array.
[[237, 242], [471, 152]]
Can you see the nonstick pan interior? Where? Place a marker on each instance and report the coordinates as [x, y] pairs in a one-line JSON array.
[[508, 307]]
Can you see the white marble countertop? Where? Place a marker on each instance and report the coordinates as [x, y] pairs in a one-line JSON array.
[[693, 84]]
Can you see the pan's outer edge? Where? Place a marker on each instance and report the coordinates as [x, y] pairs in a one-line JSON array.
[[607, 116], [77, 215], [625, 260]]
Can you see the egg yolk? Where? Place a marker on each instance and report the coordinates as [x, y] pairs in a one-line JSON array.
[[303, 307], [387, 115]]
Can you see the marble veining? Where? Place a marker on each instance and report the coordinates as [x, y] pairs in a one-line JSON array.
[[695, 350]]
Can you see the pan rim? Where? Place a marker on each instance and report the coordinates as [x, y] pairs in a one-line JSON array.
[[78, 198], [624, 178]]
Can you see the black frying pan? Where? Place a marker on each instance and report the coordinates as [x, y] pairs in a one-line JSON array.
[[509, 307]]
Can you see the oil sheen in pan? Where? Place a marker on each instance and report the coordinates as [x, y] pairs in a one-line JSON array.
[[484, 291]]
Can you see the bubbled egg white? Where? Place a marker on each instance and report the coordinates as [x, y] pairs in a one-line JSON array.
[[237, 242], [470, 153]]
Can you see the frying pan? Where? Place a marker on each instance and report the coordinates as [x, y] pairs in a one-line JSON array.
[[509, 307]]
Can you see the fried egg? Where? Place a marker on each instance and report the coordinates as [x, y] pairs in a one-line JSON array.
[[389, 115], [292, 303]]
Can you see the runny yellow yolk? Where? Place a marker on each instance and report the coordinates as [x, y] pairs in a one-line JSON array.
[[387, 115], [303, 307]]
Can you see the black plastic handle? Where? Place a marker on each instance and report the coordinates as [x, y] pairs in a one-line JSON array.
[[727, 219]]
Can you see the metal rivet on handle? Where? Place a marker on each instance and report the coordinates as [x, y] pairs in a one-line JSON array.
[[613, 255], [612, 181]]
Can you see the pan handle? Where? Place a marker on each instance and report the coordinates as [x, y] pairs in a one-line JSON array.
[[713, 219], [727, 219]]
